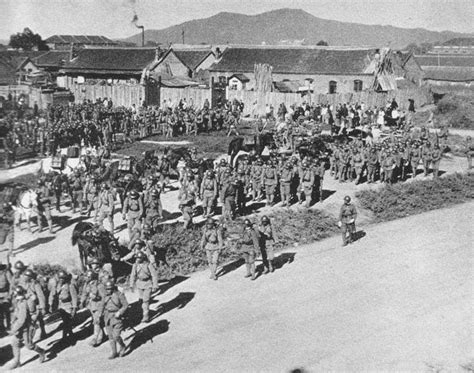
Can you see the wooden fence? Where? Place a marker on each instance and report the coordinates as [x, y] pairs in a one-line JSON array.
[[194, 96], [120, 94], [255, 103]]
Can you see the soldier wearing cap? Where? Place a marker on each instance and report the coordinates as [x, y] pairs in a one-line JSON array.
[[266, 241], [347, 217], [21, 328], [92, 296], [132, 210], [212, 243], [208, 193], [65, 293], [286, 178], [249, 247], [106, 206], [43, 206], [115, 306], [145, 279]]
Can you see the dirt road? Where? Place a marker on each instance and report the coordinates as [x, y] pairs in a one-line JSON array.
[[398, 299]]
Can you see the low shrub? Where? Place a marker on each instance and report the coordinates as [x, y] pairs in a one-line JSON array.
[[400, 200], [455, 110]]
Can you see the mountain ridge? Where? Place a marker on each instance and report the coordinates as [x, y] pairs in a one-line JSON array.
[[290, 25]]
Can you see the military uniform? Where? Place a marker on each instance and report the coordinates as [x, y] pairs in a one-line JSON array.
[[256, 172], [435, 161], [426, 156], [208, 194], [145, 280], [5, 289], [229, 196], [249, 247], [92, 297], [66, 295], [187, 200], [347, 217], [286, 178], [7, 227], [270, 182], [132, 212], [389, 164], [91, 194], [415, 156], [43, 207], [76, 183], [153, 212], [357, 164], [306, 176], [372, 161], [266, 241], [115, 305], [106, 208], [212, 242]]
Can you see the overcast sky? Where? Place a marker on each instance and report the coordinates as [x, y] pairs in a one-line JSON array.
[[112, 18]]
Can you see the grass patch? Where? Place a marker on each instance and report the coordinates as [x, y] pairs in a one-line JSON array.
[[401, 200], [291, 228], [456, 111]]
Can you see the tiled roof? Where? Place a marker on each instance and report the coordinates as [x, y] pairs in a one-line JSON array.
[[192, 58], [444, 60], [296, 61], [242, 77], [132, 60], [7, 72], [79, 39], [453, 74], [52, 58], [288, 86]]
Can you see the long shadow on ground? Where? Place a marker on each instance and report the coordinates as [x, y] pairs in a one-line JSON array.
[[30, 245]]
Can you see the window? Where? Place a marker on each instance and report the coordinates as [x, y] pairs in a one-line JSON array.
[[357, 85], [222, 80], [233, 86], [332, 87]]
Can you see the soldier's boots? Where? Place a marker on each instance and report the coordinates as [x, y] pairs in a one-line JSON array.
[[146, 313], [248, 271], [41, 353], [122, 349], [270, 266], [98, 336], [252, 271], [113, 348], [16, 358]]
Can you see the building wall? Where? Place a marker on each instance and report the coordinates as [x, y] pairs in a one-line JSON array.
[[171, 64], [206, 64], [345, 83]]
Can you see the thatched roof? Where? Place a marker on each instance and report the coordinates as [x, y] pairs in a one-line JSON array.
[[79, 39], [453, 74]]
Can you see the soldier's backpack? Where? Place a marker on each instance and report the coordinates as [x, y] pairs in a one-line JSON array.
[[125, 165], [73, 152], [57, 162]]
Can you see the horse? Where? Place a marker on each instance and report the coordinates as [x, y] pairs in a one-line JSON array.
[[26, 206], [96, 243]]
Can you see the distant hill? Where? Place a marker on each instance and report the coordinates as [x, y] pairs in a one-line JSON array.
[[284, 26], [460, 42]]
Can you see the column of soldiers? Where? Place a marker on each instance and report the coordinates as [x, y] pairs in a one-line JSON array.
[[388, 161]]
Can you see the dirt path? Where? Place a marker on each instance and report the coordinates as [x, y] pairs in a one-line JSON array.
[[398, 299]]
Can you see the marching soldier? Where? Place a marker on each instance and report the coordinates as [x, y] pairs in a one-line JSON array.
[[92, 297], [43, 207], [249, 247], [6, 285], [106, 206], [229, 196], [256, 172], [115, 305], [7, 224], [91, 194], [208, 193], [266, 240], [140, 246], [36, 302], [212, 243], [132, 210], [154, 209], [76, 183], [21, 326], [65, 294], [187, 200], [103, 274], [306, 183], [145, 279], [347, 217]]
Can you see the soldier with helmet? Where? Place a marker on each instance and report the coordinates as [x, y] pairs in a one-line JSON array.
[[249, 248], [7, 224], [347, 217], [6, 285], [229, 196], [43, 206], [115, 306], [106, 206], [36, 301], [144, 278], [208, 193], [426, 157], [270, 181], [187, 201], [436, 155], [76, 183], [140, 246], [266, 241], [415, 157], [65, 293], [91, 194], [132, 210], [21, 326], [212, 242], [92, 297], [103, 275], [153, 209], [256, 171], [287, 175]]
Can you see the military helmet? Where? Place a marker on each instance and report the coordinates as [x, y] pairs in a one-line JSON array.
[[347, 199], [19, 266], [91, 274], [210, 221], [29, 273], [155, 193], [139, 242], [19, 290], [62, 274], [141, 255], [134, 194], [265, 219], [147, 227], [109, 284], [247, 222]]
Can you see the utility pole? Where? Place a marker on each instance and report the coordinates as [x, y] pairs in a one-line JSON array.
[[182, 35]]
